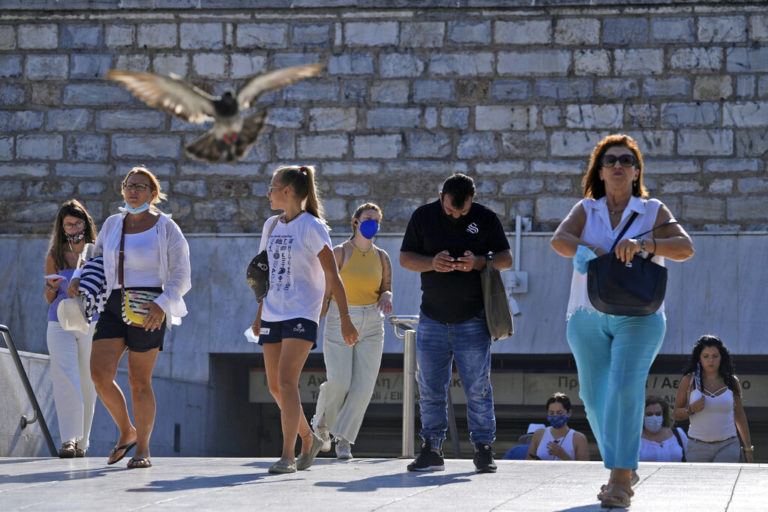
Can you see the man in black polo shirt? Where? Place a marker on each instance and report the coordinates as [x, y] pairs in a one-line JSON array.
[[447, 242]]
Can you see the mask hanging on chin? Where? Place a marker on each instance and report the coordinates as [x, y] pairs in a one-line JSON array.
[[653, 423], [369, 228], [138, 209]]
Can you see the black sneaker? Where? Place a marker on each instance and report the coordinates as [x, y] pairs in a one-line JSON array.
[[428, 460], [484, 458]]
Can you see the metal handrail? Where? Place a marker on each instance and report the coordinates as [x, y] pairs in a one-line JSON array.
[[38, 414]]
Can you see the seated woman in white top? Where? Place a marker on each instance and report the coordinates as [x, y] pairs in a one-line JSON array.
[[661, 441], [558, 442], [709, 397]]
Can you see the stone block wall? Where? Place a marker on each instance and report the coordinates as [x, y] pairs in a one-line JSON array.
[[513, 94]]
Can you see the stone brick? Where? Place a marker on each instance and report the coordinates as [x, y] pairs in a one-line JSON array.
[[732, 165], [157, 35], [758, 27], [477, 145], [333, 119], [672, 30], [501, 167], [592, 62], [511, 90], [146, 146], [351, 168], [746, 208], [286, 117], [486, 187], [87, 148], [679, 186], [722, 186], [400, 209], [81, 36], [745, 86], [39, 147], [552, 116], [697, 60], [750, 114], [284, 60], [503, 118], [377, 146], [23, 170], [351, 64], [564, 88], [216, 210], [661, 166], [751, 142], [230, 189], [428, 145], [83, 170], [753, 185], [95, 94], [562, 186], [285, 145], [524, 145], [641, 115], [90, 66], [433, 91], [119, 35], [703, 208], [534, 62], [39, 67], [7, 37], [10, 66], [577, 31], [313, 92], [463, 64], [712, 88], [370, 33], [420, 167], [393, 65], [427, 34], [203, 36], [762, 87], [454, 118], [199, 169], [522, 186], [38, 36], [625, 31], [25, 120], [212, 65], [430, 118], [674, 115], [135, 62], [666, 87], [638, 62], [6, 150], [594, 116], [352, 188], [705, 142], [574, 143], [311, 34], [37, 212], [12, 189], [91, 188], [11, 94], [50, 189], [554, 209], [654, 142], [523, 32], [322, 146], [392, 118], [166, 63], [390, 91], [617, 88], [469, 32], [722, 29]]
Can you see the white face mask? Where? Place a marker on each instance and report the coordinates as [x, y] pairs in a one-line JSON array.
[[653, 423]]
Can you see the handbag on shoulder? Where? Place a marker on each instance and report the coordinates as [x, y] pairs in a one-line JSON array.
[[498, 316], [257, 272], [636, 289], [134, 302]]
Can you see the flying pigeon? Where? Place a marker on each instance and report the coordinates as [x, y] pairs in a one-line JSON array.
[[232, 134]]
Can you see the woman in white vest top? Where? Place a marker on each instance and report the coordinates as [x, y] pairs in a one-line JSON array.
[[661, 440], [558, 441], [709, 397]]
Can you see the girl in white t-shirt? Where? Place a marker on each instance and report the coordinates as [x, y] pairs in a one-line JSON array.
[[300, 262]]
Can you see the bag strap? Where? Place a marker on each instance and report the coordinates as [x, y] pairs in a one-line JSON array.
[[679, 441], [670, 221], [121, 256], [626, 227]]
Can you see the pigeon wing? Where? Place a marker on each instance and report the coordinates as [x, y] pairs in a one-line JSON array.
[[171, 94], [275, 80]]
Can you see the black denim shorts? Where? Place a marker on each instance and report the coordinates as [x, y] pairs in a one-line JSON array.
[[111, 325]]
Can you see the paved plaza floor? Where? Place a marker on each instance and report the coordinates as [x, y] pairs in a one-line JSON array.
[[233, 484]]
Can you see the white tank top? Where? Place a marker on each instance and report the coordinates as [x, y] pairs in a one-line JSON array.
[[599, 233], [566, 442], [714, 422], [142, 260], [668, 450]]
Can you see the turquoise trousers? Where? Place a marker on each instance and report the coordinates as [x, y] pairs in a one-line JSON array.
[[613, 356]]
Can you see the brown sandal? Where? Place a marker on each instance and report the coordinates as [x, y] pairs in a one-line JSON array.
[[616, 496], [633, 480]]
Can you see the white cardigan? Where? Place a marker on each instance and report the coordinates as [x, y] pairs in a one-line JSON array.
[[174, 269]]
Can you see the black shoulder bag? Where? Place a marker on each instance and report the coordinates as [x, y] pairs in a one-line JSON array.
[[257, 272], [636, 289]]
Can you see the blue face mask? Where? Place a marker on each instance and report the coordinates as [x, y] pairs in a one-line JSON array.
[[138, 209], [369, 228], [557, 420]]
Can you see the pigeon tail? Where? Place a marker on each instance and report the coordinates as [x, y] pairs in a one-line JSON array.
[[207, 148], [253, 125]]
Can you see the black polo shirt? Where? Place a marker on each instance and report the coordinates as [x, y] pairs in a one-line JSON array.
[[453, 297]]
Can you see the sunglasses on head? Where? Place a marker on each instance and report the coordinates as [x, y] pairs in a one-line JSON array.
[[624, 160]]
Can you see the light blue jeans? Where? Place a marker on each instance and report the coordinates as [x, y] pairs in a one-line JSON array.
[[437, 346], [613, 356]]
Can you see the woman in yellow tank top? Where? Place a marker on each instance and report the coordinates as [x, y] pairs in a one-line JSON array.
[[351, 371]]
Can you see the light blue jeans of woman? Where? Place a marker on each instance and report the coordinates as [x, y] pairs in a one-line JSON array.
[[613, 356], [351, 371]]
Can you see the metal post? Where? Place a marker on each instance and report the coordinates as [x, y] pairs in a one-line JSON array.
[[409, 394]]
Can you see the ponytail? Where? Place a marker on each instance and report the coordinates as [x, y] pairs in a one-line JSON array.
[[302, 180]]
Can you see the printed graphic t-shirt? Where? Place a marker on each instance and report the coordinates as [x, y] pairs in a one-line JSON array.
[[453, 297], [296, 278]]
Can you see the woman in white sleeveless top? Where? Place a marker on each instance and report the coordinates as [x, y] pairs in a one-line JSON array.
[[661, 440], [709, 397], [558, 441]]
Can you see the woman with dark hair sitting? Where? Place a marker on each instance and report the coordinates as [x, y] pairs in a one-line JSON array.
[[558, 441], [709, 397], [661, 441]]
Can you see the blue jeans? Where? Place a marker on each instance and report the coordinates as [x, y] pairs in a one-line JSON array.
[[437, 345], [613, 356]]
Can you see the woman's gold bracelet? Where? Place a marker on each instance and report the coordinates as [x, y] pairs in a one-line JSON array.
[[749, 448]]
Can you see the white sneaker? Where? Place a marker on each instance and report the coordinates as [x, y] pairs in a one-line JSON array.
[[343, 449], [323, 433]]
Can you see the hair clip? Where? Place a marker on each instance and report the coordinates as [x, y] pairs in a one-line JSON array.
[[304, 169]]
